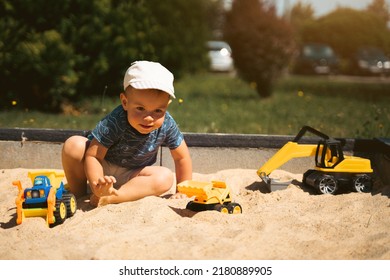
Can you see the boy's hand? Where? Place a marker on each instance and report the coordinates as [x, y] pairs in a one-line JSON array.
[[104, 186]]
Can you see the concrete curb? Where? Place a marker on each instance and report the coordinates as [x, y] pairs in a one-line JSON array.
[[41, 148]]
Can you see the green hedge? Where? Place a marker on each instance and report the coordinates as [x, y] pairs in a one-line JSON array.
[[53, 52]]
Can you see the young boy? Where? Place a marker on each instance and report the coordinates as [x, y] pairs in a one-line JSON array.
[[117, 159]]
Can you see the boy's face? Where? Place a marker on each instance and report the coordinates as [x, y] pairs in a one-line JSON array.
[[145, 108]]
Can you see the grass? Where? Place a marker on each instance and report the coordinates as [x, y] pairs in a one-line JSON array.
[[212, 103]]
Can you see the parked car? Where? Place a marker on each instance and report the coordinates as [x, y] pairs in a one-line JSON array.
[[315, 58], [220, 55], [370, 61]]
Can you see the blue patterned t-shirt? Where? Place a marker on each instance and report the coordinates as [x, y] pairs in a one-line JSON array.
[[129, 148]]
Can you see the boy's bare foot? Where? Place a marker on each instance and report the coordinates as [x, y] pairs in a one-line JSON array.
[[94, 200], [98, 201], [178, 196]]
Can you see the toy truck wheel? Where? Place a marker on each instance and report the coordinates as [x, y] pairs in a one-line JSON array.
[[71, 204], [59, 213], [198, 207], [195, 206], [327, 184], [234, 208], [362, 183], [221, 208]]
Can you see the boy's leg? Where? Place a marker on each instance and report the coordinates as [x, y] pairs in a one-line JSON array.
[[73, 152], [151, 180]]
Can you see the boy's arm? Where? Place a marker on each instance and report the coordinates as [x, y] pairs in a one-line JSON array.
[[183, 163], [100, 184]]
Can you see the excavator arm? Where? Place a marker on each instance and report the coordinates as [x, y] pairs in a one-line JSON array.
[[289, 151], [293, 149], [331, 166]]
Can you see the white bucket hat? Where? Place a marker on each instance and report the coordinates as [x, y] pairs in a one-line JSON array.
[[149, 75]]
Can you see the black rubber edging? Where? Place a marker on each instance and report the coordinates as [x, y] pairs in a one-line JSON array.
[[192, 139], [376, 145]]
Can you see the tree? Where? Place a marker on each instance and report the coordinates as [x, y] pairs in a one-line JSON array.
[[346, 29], [381, 9], [262, 43], [301, 15]]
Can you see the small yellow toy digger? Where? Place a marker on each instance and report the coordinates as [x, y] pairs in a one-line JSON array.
[[47, 198], [332, 168], [214, 195]]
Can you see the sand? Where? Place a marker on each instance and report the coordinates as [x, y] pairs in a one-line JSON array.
[[287, 224]]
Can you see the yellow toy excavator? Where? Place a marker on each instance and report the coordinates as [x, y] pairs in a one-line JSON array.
[[332, 168]]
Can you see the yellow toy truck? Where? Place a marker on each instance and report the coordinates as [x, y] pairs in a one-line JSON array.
[[46, 198], [214, 195], [332, 168]]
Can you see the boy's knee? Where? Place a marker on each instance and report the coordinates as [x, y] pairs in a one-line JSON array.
[[74, 146], [164, 180]]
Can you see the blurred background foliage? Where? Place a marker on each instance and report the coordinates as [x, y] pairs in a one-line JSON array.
[[262, 44], [54, 53]]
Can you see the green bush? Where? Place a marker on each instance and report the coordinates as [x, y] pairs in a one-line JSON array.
[[53, 52]]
